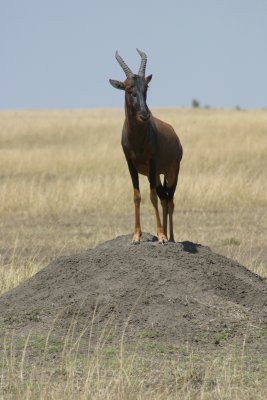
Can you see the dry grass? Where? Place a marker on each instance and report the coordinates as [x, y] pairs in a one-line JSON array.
[[64, 183], [64, 187], [71, 162], [61, 370]]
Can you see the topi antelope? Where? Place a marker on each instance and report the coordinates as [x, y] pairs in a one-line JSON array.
[[151, 148]]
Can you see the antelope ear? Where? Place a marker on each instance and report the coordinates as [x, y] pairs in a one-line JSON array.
[[117, 84], [148, 78]]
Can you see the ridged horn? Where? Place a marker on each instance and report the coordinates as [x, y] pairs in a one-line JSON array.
[[142, 69], [124, 66]]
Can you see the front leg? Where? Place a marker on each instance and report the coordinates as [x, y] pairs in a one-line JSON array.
[[137, 200], [154, 199]]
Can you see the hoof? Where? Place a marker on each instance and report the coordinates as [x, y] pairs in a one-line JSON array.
[[136, 237], [162, 239], [134, 242]]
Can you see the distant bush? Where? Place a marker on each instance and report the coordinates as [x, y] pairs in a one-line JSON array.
[[195, 103]]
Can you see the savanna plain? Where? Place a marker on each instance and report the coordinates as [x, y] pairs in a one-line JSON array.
[[65, 187]]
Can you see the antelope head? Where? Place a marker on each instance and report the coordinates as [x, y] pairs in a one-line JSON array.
[[135, 87]]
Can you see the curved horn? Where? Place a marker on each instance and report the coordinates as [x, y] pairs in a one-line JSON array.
[[142, 69], [124, 66]]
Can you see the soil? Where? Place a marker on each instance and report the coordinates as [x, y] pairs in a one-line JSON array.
[[176, 293]]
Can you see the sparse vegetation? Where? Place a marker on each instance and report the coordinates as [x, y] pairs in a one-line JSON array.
[[64, 187], [42, 367], [195, 103]]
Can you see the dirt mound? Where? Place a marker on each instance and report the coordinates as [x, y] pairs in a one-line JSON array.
[[176, 292]]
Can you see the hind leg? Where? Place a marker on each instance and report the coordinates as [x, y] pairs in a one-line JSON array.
[[170, 209], [170, 212], [161, 192], [165, 193], [164, 204], [170, 183], [154, 182]]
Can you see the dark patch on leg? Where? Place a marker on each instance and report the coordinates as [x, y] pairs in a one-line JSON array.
[[134, 174], [137, 199], [152, 174], [161, 192], [164, 192]]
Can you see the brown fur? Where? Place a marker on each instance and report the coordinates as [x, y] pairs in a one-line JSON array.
[[139, 149]]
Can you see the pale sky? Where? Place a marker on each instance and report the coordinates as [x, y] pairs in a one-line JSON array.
[[60, 54]]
